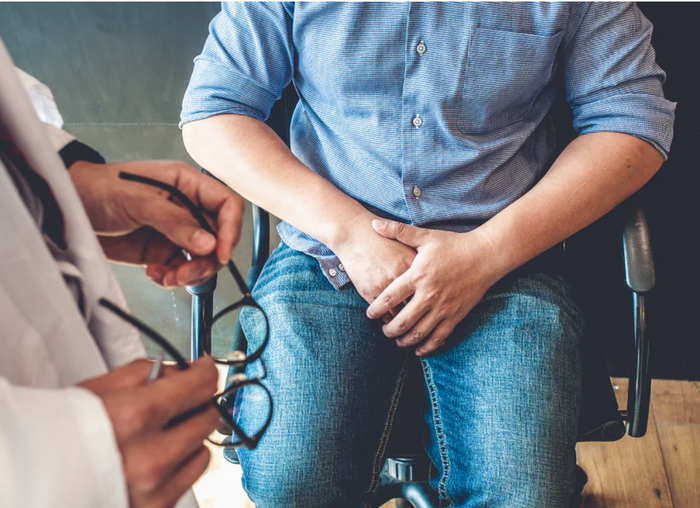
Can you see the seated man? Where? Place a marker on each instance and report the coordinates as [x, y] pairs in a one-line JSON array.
[[422, 179]]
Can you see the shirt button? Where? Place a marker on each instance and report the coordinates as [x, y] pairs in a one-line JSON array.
[[332, 272], [416, 191], [341, 267], [421, 48], [417, 121]]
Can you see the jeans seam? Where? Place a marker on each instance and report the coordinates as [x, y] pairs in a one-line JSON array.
[[439, 432], [384, 440]]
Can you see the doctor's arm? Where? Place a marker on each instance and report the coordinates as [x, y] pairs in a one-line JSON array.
[[138, 224], [62, 447]]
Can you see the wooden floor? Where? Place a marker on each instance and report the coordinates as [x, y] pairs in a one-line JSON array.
[[660, 470]]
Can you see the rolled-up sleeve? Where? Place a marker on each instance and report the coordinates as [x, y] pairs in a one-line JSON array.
[[612, 80], [247, 61]]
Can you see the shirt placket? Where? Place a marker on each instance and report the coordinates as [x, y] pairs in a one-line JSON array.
[[414, 118]]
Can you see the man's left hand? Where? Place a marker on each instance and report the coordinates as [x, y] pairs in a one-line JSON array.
[[140, 224], [448, 277]]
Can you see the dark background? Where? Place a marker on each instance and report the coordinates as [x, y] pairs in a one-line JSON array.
[[119, 71]]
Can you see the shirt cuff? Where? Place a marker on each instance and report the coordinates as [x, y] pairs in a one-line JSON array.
[[76, 151], [331, 266], [216, 90], [648, 117], [334, 271]]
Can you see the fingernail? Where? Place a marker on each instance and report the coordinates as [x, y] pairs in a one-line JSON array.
[[203, 240], [419, 352], [155, 272], [170, 279], [378, 223]]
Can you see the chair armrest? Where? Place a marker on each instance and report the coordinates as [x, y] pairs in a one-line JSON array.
[[640, 274]]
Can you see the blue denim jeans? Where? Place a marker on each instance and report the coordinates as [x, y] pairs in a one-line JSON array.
[[503, 395]]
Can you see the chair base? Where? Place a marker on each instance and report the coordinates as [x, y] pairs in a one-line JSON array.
[[408, 494], [406, 480]]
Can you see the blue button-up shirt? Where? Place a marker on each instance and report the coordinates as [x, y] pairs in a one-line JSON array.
[[434, 114]]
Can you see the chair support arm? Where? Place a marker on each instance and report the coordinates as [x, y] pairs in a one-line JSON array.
[[640, 276]]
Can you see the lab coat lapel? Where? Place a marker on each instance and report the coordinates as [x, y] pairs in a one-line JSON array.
[[54, 345]]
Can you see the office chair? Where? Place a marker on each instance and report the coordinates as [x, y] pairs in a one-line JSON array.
[[407, 469]]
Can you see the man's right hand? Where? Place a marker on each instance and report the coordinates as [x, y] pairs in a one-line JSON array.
[[372, 262], [159, 465]]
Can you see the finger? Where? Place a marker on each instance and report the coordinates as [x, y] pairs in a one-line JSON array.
[[392, 313], [175, 445], [419, 330], [176, 223], [219, 201], [170, 277], [229, 223], [158, 249], [393, 296], [183, 391], [436, 340], [198, 270], [406, 319], [156, 273], [128, 376], [404, 233], [182, 480], [397, 309]]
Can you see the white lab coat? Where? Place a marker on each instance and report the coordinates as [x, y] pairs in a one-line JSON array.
[[57, 446]]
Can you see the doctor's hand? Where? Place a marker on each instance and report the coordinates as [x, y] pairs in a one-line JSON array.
[[159, 465], [449, 276], [140, 224]]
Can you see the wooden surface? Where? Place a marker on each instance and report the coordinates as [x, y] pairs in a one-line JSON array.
[[629, 473], [660, 470], [677, 416]]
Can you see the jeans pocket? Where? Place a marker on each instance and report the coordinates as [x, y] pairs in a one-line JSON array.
[[505, 73]]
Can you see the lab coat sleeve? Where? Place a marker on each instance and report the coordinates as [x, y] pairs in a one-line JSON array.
[[57, 449]]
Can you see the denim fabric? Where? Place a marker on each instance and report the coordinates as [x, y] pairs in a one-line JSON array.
[[503, 395], [442, 137]]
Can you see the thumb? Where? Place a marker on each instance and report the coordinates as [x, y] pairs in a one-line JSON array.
[[404, 233], [177, 225]]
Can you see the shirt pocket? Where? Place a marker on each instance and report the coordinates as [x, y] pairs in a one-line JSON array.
[[505, 73]]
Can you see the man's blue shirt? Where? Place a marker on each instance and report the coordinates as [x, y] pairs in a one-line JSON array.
[[434, 114]]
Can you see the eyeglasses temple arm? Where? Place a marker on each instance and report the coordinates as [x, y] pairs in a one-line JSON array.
[[150, 332]]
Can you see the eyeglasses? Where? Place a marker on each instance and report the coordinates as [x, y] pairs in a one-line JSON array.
[[239, 387]]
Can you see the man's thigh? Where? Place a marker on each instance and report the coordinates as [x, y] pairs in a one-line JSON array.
[[504, 400], [333, 377]]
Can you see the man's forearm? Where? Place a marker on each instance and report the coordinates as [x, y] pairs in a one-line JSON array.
[[592, 175], [250, 158]]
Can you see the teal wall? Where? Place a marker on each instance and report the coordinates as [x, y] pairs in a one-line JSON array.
[[118, 72]]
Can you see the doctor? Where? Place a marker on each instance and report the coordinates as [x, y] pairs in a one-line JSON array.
[[79, 427]]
